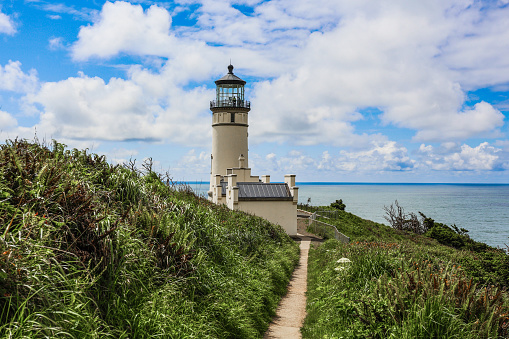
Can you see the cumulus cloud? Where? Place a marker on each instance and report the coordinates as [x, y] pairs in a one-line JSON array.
[[89, 108], [383, 57], [475, 53], [7, 121], [464, 158], [326, 163], [326, 62], [294, 161], [380, 157], [122, 27], [86, 107], [193, 163], [482, 120], [388, 156], [6, 24], [321, 64], [12, 78], [146, 107]]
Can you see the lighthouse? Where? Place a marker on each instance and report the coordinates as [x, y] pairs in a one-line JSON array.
[[231, 182], [229, 123]]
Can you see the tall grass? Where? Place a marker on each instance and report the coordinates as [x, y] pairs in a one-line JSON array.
[[485, 264], [394, 290], [405, 285], [91, 250]]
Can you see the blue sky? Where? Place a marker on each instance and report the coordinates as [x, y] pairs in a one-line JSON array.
[[353, 91]]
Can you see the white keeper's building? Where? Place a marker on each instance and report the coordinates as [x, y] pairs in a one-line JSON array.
[[231, 182]]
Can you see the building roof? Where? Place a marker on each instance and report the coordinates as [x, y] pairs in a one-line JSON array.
[[260, 191], [230, 78]]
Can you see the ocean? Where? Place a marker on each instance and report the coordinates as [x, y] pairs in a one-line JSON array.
[[483, 209]]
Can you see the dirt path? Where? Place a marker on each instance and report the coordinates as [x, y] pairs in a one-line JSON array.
[[291, 311]]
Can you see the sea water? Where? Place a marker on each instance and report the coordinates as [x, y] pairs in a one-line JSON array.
[[482, 209]]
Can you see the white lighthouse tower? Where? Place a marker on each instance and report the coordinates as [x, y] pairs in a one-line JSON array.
[[229, 124], [231, 182]]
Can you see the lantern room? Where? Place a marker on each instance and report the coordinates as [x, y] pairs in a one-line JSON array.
[[230, 91]]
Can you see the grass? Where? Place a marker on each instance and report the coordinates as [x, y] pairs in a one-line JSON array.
[[403, 285], [91, 250]]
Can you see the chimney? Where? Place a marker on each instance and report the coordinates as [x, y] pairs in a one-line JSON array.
[[242, 160]]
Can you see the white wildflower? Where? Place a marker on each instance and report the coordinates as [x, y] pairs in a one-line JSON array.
[[343, 261]]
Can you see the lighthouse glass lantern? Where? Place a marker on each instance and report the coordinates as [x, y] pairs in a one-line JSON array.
[[230, 91]]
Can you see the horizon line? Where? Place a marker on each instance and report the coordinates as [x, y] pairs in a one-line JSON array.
[[360, 183]]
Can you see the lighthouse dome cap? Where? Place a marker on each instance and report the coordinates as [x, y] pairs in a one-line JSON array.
[[230, 78]]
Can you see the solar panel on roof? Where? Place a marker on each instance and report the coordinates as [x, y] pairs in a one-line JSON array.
[[260, 191], [248, 190]]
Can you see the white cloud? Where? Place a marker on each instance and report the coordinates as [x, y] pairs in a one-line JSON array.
[[321, 63], [482, 120], [384, 57], [122, 155], [476, 51], [194, 159], [294, 161], [146, 107], [270, 156], [88, 108], [464, 158], [82, 14], [380, 157], [56, 43], [393, 57], [6, 24], [192, 163], [124, 28], [387, 156], [326, 163], [121, 27], [7, 121], [504, 144], [12, 78]]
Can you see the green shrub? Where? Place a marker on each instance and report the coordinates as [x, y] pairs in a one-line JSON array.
[[338, 204], [446, 236]]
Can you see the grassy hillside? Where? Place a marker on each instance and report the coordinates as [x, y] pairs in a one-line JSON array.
[[399, 284], [91, 250]]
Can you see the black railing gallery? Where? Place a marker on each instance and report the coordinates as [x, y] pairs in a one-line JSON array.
[[230, 103]]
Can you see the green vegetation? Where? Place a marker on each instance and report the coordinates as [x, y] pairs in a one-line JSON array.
[[444, 234], [338, 204], [353, 226], [91, 250], [403, 284]]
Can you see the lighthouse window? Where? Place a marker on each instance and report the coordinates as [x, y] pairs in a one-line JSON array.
[[230, 95], [232, 117]]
